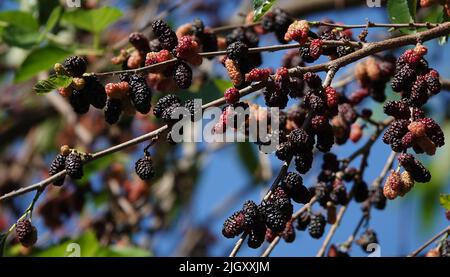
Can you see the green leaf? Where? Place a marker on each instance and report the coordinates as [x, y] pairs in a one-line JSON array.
[[2, 243], [260, 7], [20, 37], [52, 21], [444, 200], [412, 6], [95, 20], [53, 82], [401, 11], [39, 60], [222, 84], [19, 18], [21, 29], [248, 157]]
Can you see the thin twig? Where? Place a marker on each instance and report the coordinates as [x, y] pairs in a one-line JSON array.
[[238, 245], [332, 230], [430, 241]]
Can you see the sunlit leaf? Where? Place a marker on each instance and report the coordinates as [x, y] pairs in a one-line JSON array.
[[39, 60], [402, 11], [52, 83], [2, 243], [260, 7], [19, 18], [444, 200], [94, 20]]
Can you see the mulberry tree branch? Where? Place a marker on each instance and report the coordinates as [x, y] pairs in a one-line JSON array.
[[430, 241], [367, 50]]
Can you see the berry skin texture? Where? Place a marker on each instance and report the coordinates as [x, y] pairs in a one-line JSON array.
[[293, 185], [96, 92], [251, 214], [234, 72], [332, 97], [237, 51], [232, 96], [445, 248], [165, 103], [303, 221], [315, 48], [283, 151], [74, 166], [433, 83], [298, 31], [316, 226], [140, 93], [182, 75], [234, 225], [157, 57], [433, 131], [418, 172], [166, 36], [117, 90], [288, 233], [26, 233], [303, 162], [299, 140], [397, 109], [113, 110], [79, 100], [75, 66], [57, 165], [186, 47], [144, 168], [258, 75]]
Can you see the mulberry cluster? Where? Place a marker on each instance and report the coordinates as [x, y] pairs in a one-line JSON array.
[[277, 210], [298, 31], [249, 220], [247, 38], [415, 168], [310, 53], [75, 66], [398, 184], [414, 79]]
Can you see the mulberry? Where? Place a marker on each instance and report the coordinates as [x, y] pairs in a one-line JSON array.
[[140, 42], [26, 233], [251, 214], [74, 166], [418, 172], [234, 72], [288, 233], [293, 184], [75, 66], [433, 83], [316, 226], [325, 140], [403, 78], [166, 36], [312, 80], [113, 110], [284, 151], [234, 225], [303, 221], [445, 248], [96, 92], [232, 95], [79, 100], [165, 103], [419, 95], [298, 31], [57, 165], [183, 75], [303, 162], [237, 51], [299, 139], [256, 236], [339, 195], [258, 75], [397, 109], [140, 94], [434, 131], [144, 168]]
